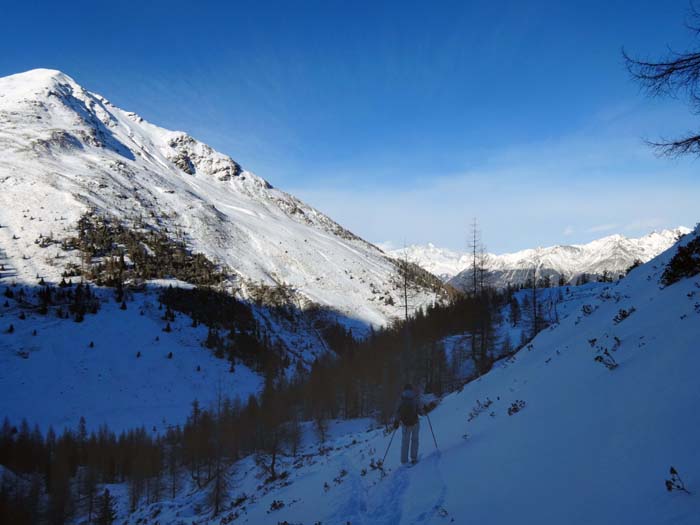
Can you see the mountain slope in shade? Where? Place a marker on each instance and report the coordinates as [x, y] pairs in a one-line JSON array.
[[612, 254], [67, 150], [548, 436]]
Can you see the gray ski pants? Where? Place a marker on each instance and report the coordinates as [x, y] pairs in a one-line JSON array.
[[409, 434]]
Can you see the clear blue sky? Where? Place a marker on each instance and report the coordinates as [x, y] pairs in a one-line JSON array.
[[402, 120]]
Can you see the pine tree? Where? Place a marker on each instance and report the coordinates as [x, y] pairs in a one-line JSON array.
[[220, 482], [515, 313], [107, 512]]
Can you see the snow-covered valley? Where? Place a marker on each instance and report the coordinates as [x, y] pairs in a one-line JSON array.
[[550, 435], [140, 271]]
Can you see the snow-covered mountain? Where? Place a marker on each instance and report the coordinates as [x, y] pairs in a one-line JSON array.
[[66, 151], [580, 427], [442, 262], [612, 254]]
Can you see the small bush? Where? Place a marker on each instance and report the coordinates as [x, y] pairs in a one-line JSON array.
[[635, 264], [516, 407], [675, 483], [623, 314], [686, 263], [606, 360]]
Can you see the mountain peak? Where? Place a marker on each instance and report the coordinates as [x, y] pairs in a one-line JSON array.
[[35, 78], [68, 152]]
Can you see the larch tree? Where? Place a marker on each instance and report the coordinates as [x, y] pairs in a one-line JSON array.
[[676, 74]]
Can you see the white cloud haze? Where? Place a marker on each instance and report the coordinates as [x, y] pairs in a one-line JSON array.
[[567, 191]]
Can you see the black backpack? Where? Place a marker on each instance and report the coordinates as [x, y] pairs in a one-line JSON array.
[[408, 411]]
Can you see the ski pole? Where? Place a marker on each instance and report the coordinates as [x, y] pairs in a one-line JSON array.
[[389, 446], [431, 431]]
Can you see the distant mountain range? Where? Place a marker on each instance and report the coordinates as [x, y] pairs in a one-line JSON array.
[[611, 255]]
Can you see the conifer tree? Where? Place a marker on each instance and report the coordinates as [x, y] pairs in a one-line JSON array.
[[107, 511]]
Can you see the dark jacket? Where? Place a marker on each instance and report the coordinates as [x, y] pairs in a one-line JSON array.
[[409, 408]]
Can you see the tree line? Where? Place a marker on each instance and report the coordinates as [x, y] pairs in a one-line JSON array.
[[57, 476]]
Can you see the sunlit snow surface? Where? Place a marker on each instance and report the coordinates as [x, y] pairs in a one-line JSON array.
[[66, 150], [614, 254]]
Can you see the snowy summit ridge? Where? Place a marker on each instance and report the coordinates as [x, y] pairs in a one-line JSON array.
[[612, 254], [67, 151]]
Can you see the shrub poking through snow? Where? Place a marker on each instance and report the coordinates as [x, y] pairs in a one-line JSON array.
[[685, 263], [637, 263], [276, 505], [623, 314], [675, 483], [516, 406], [606, 360], [339, 478], [240, 500], [479, 408]]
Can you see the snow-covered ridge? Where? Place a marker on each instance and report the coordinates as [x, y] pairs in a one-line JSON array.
[[67, 150], [612, 254]]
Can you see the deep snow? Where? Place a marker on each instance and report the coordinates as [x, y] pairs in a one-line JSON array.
[[55, 377], [588, 446]]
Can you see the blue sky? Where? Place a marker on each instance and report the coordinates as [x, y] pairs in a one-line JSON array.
[[402, 120]]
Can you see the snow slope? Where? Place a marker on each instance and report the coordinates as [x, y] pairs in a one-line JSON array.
[[587, 445], [613, 254], [66, 150], [53, 377]]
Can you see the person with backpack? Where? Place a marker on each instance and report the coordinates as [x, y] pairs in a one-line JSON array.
[[407, 415]]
